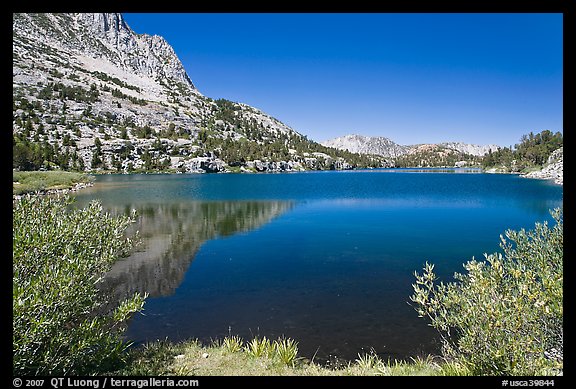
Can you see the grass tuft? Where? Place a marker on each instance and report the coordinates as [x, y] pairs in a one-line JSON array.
[[368, 361], [259, 347], [286, 350], [233, 344]]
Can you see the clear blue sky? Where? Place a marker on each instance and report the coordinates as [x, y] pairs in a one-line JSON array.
[[414, 78]]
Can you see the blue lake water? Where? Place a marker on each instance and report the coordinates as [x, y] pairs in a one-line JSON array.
[[326, 258]]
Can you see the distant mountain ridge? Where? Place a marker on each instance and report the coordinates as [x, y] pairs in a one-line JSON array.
[[377, 145], [386, 147], [472, 149]]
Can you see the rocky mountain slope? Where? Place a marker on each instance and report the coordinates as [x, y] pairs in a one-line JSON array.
[[100, 36], [91, 94]]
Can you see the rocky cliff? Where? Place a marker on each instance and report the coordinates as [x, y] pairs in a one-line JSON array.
[[104, 37]]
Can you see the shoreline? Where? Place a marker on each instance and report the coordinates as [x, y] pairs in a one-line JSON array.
[[537, 175], [555, 175], [552, 170], [47, 192], [556, 180]]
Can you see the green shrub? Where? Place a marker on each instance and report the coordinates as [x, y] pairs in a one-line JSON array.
[[504, 316], [59, 257]]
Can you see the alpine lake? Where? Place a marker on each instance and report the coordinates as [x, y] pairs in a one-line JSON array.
[[326, 258]]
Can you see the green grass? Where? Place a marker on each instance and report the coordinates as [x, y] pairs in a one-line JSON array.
[[231, 357], [34, 181], [530, 169]]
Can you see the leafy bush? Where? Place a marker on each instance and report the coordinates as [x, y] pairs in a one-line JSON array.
[[59, 257], [504, 316]]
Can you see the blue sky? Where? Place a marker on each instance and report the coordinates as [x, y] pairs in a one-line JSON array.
[[414, 78]]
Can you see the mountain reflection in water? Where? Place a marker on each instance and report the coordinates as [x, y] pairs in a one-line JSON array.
[[172, 233]]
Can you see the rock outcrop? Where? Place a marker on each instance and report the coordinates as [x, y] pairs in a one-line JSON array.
[[553, 169]]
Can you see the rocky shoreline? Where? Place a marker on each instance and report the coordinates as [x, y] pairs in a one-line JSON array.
[[78, 186], [552, 170]]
